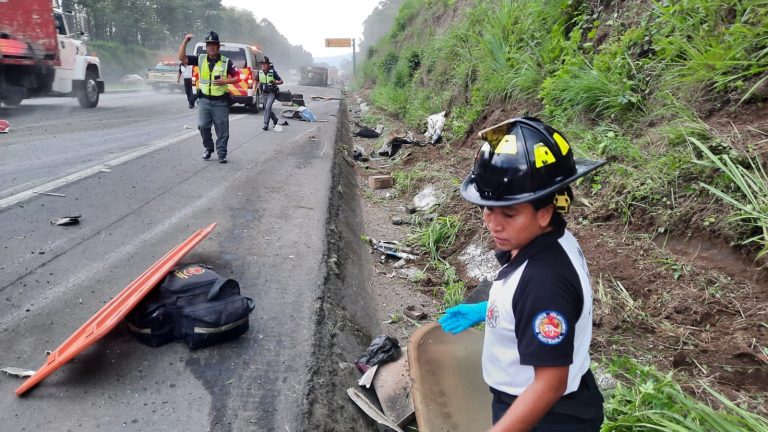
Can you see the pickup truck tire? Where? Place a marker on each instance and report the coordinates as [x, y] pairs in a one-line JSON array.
[[88, 95]]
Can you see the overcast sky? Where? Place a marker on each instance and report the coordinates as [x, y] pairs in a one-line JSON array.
[[309, 22]]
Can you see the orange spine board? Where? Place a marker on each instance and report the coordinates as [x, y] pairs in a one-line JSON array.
[[115, 310]]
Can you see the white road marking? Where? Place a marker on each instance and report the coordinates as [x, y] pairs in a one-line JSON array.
[[47, 187]]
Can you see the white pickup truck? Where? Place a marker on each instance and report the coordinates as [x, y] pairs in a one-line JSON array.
[[164, 76]]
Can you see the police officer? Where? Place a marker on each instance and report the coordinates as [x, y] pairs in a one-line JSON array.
[[538, 318], [216, 72], [268, 79]]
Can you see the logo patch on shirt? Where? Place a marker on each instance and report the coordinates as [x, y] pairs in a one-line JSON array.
[[492, 315], [550, 327]]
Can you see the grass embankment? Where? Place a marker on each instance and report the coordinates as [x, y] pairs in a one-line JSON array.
[[636, 83]]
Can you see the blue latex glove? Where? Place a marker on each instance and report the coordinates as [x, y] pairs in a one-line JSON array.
[[463, 316]]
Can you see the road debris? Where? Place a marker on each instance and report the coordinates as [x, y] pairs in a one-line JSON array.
[[414, 313], [323, 98], [5, 127], [383, 349], [381, 181], [66, 220], [277, 128], [369, 408], [17, 372], [50, 193], [428, 197], [392, 384], [391, 248], [435, 124]]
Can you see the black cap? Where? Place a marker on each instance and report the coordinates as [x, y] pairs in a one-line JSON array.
[[212, 37]]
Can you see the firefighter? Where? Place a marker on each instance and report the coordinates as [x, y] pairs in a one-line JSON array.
[[267, 80], [216, 73], [538, 317]]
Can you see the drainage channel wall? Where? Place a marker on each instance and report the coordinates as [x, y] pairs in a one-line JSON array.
[[344, 320]]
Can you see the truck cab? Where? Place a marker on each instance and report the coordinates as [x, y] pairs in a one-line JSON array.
[[42, 55], [245, 60], [78, 73]]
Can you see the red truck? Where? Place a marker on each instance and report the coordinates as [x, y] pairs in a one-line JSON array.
[[41, 56]]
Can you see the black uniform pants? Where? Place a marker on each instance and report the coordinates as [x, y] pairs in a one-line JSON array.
[[580, 411], [188, 90]]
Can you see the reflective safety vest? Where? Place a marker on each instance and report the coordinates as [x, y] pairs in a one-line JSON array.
[[264, 79], [207, 87]]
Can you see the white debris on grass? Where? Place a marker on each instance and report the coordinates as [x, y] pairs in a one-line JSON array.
[[480, 262]]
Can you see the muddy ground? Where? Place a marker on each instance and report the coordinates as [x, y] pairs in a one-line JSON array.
[[685, 303]]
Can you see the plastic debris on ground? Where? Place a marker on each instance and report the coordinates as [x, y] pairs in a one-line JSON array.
[[277, 128], [391, 248], [428, 197], [395, 141], [383, 349], [66, 220], [300, 113], [435, 124], [358, 154], [479, 260], [5, 127], [369, 408], [366, 132], [17, 372]]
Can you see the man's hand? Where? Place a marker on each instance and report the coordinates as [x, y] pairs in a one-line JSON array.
[[221, 81], [189, 37]]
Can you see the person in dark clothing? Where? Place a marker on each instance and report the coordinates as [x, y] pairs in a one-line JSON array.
[[267, 80], [216, 72], [538, 317], [185, 73]]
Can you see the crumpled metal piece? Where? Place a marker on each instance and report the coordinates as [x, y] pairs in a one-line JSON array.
[[66, 220]]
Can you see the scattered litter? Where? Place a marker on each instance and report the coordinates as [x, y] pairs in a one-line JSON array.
[[66, 220], [105, 170], [435, 124], [382, 350], [323, 98], [186, 126], [392, 384], [369, 408], [381, 181], [5, 127], [366, 132], [277, 128], [18, 372], [400, 264], [391, 248], [312, 138], [395, 141], [284, 123], [367, 379], [400, 221], [50, 193], [414, 313], [364, 107], [428, 197], [300, 113], [358, 154]]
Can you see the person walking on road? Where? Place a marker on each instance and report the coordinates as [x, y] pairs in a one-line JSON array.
[[185, 73], [538, 317], [216, 73], [267, 81]]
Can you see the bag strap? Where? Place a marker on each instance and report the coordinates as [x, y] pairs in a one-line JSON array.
[[214, 292]]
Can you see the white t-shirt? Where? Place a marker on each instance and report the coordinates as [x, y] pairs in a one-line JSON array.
[[539, 314], [186, 71]]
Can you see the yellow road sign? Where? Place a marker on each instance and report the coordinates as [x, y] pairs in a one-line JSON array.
[[338, 43]]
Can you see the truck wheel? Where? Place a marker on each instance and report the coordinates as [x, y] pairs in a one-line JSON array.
[[254, 108], [88, 95]]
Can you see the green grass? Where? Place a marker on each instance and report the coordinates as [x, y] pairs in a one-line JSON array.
[[750, 200], [646, 400]]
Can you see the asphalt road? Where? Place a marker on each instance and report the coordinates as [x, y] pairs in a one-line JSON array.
[[132, 168]]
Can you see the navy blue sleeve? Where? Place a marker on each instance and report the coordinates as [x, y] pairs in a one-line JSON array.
[[192, 60], [547, 303], [277, 75]]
